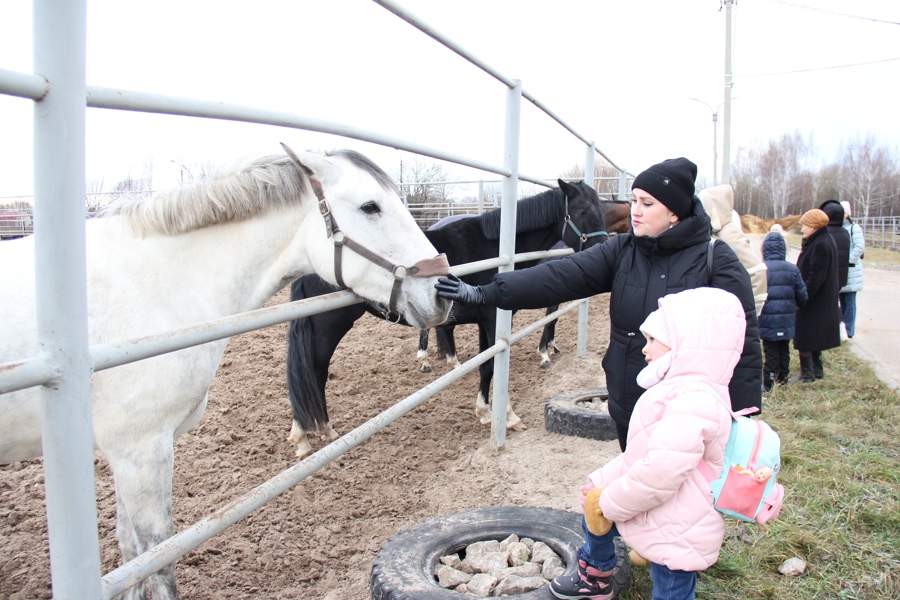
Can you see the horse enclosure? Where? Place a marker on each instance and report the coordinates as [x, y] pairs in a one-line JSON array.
[[63, 370]]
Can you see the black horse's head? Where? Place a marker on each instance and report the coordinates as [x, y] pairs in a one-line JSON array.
[[585, 218]]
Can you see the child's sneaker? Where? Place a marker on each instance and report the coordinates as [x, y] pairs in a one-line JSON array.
[[589, 583]]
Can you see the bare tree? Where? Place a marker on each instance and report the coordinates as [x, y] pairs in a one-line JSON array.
[[194, 172], [427, 186], [606, 178], [870, 175]]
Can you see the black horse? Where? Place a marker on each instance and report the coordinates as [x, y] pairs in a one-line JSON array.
[[618, 220], [571, 213]]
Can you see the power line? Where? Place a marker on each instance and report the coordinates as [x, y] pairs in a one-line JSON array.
[[871, 62], [833, 12]]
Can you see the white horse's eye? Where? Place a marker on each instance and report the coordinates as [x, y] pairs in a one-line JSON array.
[[370, 208]]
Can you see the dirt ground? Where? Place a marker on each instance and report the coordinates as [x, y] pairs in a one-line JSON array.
[[318, 540]]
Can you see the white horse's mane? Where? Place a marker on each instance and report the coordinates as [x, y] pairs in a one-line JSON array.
[[239, 192]]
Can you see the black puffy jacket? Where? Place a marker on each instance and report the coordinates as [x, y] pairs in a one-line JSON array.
[[841, 237], [637, 271], [786, 291]]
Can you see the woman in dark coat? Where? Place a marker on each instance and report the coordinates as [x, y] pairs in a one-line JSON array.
[[666, 253], [840, 235], [819, 321]]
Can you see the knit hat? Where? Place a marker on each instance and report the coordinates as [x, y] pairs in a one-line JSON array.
[[846, 206], [814, 218], [671, 182], [655, 326]]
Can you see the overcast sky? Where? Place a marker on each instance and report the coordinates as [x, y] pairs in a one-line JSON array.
[[621, 73]]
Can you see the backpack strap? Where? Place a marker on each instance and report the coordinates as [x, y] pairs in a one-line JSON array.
[[709, 264], [702, 466]]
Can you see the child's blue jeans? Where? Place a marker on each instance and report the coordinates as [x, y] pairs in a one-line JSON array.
[[668, 584]]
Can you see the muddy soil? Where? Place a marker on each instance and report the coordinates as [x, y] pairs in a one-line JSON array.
[[318, 540]]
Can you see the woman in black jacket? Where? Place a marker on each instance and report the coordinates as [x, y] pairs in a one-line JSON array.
[[819, 321], [667, 252]]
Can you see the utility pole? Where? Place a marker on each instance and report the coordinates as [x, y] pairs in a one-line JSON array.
[[715, 118], [726, 130]]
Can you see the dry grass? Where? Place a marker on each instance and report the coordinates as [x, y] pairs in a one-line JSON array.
[[841, 472]]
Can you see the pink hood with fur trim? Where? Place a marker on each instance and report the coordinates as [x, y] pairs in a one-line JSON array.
[[660, 502]]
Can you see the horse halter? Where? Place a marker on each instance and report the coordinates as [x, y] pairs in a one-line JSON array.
[[427, 267], [582, 237]]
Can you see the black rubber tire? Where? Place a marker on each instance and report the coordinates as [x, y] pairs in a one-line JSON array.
[[563, 415], [404, 567]]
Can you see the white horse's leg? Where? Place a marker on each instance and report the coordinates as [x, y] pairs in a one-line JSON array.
[[143, 478], [128, 544]]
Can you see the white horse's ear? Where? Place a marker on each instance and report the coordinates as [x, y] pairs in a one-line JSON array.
[[310, 163]]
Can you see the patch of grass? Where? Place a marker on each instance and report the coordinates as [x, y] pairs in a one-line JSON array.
[[840, 449]]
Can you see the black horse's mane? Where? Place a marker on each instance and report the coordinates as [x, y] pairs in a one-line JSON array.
[[532, 213]]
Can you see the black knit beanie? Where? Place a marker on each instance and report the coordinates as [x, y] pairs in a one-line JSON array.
[[671, 182]]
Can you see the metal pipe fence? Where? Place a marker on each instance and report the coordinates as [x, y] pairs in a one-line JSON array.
[[64, 367], [881, 232]]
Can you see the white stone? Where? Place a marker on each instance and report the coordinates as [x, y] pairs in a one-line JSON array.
[[490, 562], [541, 552], [482, 584], [514, 585], [451, 560], [553, 568], [793, 567], [518, 554], [481, 548], [529, 569], [512, 539], [448, 577]]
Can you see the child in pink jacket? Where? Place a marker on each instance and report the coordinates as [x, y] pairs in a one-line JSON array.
[[657, 499]]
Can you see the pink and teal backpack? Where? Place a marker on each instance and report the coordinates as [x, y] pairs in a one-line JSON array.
[[741, 491]]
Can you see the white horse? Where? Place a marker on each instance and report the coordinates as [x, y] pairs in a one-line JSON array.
[[209, 250]]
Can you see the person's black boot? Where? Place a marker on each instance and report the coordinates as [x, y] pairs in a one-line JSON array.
[[818, 369], [768, 382], [807, 372]]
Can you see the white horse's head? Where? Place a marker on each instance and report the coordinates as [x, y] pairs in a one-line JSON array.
[[383, 255]]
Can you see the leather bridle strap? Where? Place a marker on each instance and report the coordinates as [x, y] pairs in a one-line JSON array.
[[582, 237], [427, 267]]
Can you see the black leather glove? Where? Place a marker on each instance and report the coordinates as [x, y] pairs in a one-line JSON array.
[[453, 288]]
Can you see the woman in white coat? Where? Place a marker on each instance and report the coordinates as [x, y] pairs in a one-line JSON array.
[[847, 296]]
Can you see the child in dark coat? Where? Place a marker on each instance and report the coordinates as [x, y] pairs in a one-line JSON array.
[[786, 292]]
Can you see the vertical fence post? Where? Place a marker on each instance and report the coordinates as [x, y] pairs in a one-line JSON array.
[[60, 50], [623, 186], [508, 248], [581, 337], [480, 196]]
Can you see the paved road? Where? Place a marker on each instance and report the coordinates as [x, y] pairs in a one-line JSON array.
[[877, 336]]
